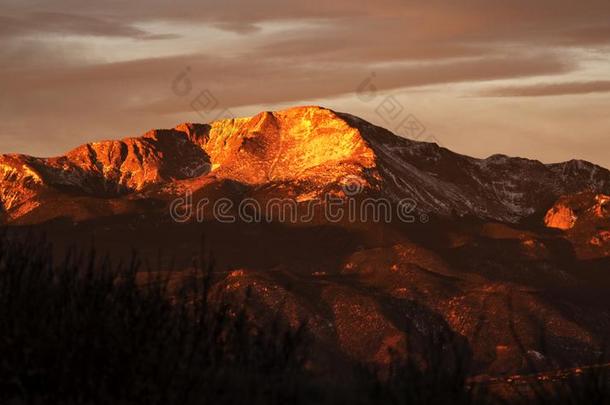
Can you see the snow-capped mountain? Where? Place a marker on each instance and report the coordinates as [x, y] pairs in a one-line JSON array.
[[303, 150]]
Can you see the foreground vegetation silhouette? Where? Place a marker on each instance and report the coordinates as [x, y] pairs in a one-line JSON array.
[[81, 330]]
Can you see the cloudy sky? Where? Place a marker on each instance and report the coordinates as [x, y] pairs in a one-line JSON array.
[[528, 78]]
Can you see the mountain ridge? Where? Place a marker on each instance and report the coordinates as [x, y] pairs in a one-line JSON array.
[[309, 147]]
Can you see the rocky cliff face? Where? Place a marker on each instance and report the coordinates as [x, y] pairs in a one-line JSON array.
[[560, 217], [585, 218], [306, 150], [107, 169]]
